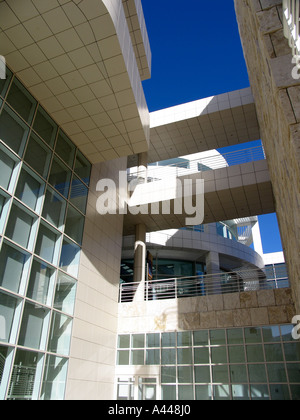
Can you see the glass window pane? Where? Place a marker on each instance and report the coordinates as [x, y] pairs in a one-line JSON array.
[[217, 337], [152, 357], [24, 382], [60, 177], [236, 354], [221, 392], [203, 392], [271, 334], [220, 374], [13, 131], [185, 392], [82, 167], [279, 392], [184, 356], [168, 340], [65, 149], [54, 208], [5, 357], [276, 372], [38, 156], [19, 226], [185, 374], [235, 336], [45, 126], [201, 355], [202, 374], [21, 100], [293, 370], [168, 374], [138, 341], [29, 189], [240, 392], [13, 267], [292, 351], [295, 391], [41, 278], [257, 373], [252, 335], [153, 340], [124, 341], [255, 353], [69, 260], [4, 83], [60, 334], [218, 355], [123, 357], [65, 292], [238, 373], [201, 338], [33, 323], [54, 381], [168, 392], [7, 165], [168, 357], [46, 244], [184, 339], [259, 392], [273, 352], [79, 195], [8, 305], [137, 357], [286, 332], [74, 225]]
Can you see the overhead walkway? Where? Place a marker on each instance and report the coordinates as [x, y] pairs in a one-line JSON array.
[[231, 191]]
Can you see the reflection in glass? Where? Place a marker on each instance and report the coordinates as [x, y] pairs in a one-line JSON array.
[[13, 131], [54, 208], [60, 334], [60, 177], [83, 168], [54, 378], [33, 323], [8, 305], [45, 126], [74, 225], [65, 292], [29, 189], [38, 155], [79, 195], [21, 100], [69, 260], [65, 149], [7, 165], [19, 226], [40, 281], [46, 243], [13, 267]]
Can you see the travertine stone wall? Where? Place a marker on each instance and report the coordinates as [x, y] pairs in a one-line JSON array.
[[266, 307], [93, 345], [277, 97]]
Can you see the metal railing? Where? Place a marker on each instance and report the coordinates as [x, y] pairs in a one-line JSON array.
[[207, 163], [204, 285], [291, 9]]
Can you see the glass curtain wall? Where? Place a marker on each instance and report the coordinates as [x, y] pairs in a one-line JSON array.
[[44, 182]]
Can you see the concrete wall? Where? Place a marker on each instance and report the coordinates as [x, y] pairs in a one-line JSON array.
[[277, 97], [93, 345]]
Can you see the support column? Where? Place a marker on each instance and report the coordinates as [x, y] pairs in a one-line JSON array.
[[213, 283], [142, 167], [140, 261]]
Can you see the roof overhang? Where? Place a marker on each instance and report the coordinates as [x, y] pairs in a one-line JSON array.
[[78, 60]]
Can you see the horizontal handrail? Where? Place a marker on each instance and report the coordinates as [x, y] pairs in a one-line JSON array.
[[203, 285], [208, 163]]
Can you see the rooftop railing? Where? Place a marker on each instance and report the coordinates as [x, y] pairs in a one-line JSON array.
[[206, 163], [291, 9], [216, 284]]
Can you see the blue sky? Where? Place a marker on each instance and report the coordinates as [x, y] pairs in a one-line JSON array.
[[197, 53]]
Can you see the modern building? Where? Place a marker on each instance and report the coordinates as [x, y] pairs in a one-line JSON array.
[[205, 315]]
